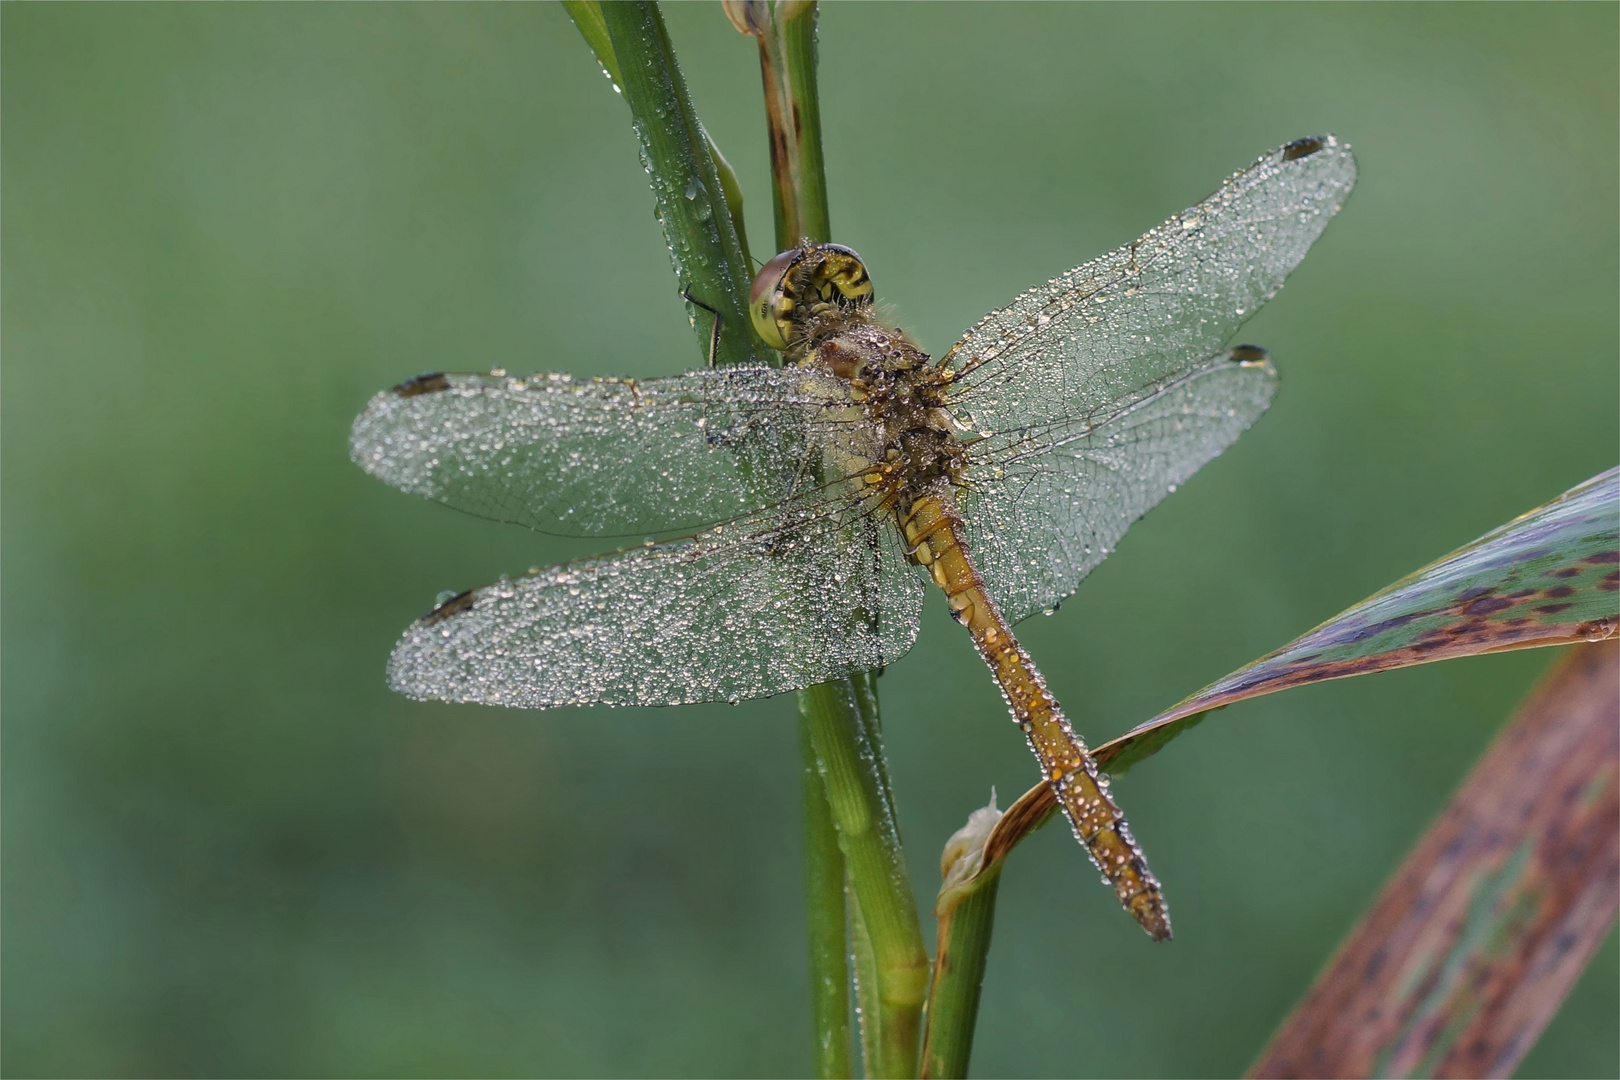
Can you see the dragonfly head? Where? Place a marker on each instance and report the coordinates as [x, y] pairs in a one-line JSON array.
[[800, 284]]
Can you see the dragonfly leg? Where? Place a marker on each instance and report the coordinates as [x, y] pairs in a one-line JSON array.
[[714, 329]]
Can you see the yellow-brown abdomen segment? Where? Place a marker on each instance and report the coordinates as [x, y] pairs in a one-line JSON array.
[[934, 531]]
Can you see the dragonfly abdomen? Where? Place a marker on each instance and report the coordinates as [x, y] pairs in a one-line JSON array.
[[934, 534]]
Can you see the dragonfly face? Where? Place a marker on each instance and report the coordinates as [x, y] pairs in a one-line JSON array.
[[802, 283], [809, 493]]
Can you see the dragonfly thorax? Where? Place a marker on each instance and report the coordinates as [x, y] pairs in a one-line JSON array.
[[901, 398]]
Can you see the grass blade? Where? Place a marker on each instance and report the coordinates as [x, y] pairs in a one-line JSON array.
[[704, 245]]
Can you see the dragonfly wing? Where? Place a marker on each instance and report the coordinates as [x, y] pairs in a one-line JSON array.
[[771, 603], [1124, 325], [594, 457], [1047, 503]]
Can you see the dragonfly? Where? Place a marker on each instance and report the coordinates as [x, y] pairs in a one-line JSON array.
[[811, 503]]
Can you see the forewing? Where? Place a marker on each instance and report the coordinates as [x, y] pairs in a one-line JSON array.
[[593, 457], [1121, 327], [771, 603], [1048, 502]]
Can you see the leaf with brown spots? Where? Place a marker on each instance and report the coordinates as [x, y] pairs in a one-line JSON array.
[[1474, 943], [1550, 577]]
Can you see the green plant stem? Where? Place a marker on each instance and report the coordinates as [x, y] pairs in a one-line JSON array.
[[891, 961], [824, 916], [704, 244], [841, 717], [863, 964], [786, 32], [798, 216], [953, 997]]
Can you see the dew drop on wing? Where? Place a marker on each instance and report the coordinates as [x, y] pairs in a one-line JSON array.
[[443, 598]]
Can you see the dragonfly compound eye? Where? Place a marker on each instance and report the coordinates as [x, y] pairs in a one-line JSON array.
[[770, 303], [801, 282]]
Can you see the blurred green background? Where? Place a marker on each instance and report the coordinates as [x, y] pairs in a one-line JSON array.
[[229, 850]]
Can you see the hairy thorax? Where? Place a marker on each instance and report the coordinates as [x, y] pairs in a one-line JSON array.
[[909, 436]]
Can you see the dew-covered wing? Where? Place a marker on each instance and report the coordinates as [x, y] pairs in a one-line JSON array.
[[1121, 327], [1047, 502], [771, 603], [594, 457]]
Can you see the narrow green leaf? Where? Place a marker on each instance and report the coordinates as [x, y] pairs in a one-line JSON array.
[[732, 190], [587, 16], [704, 246], [1474, 943]]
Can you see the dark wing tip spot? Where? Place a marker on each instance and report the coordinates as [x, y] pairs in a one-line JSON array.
[[1303, 147], [1249, 354], [423, 384], [453, 606]]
